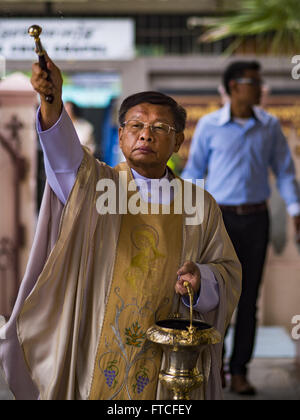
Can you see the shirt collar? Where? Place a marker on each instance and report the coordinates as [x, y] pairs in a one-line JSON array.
[[225, 114], [136, 175], [260, 115]]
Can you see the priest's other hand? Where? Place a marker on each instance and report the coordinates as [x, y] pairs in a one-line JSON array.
[[191, 273], [50, 113]]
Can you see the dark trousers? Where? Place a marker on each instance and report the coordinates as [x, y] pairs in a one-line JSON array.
[[249, 235]]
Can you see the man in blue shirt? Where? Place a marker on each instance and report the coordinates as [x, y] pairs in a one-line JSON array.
[[234, 148]]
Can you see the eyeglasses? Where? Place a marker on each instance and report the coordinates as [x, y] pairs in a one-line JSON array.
[[157, 128], [250, 81]]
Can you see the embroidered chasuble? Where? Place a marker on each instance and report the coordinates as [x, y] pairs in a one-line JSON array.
[[148, 256], [94, 284]]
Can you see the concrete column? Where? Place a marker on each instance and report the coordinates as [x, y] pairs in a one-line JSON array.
[[135, 77], [18, 103]]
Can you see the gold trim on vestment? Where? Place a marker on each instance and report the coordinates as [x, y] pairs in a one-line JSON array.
[[147, 259]]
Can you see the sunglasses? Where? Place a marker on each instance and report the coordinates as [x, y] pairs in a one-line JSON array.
[[250, 81]]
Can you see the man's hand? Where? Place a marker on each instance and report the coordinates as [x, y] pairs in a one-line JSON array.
[[50, 113], [191, 273], [297, 228]]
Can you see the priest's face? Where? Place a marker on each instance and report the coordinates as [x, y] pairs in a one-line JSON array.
[[148, 138]]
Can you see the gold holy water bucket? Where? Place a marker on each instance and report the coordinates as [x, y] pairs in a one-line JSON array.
[[182, 342]]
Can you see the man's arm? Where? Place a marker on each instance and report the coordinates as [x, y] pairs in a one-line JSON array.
[[50, 113], [62, 151], [196, 165], [62, 154], [284, 169]]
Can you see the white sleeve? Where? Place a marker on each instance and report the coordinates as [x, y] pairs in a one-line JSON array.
[[62, 154]]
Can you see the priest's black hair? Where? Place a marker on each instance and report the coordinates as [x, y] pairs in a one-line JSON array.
[[155, 98]]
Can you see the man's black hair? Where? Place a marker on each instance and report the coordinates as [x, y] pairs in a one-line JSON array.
[[155, 98], [237, 70]]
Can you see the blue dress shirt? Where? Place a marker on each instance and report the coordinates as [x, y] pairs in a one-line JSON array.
[[235, 159]]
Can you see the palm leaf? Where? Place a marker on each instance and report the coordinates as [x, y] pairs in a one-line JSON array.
[[260, 18]]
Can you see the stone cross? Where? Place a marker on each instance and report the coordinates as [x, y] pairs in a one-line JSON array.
[[14, 126]]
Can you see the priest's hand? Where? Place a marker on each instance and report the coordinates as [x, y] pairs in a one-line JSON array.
[[191, 273], [50, 113]]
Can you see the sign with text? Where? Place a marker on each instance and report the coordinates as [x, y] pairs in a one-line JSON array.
[[69, 39]]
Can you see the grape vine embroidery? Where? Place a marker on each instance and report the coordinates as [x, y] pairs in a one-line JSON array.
[[142, 380], [110, 373]]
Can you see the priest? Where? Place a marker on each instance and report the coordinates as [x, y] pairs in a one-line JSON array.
[[98, 277]]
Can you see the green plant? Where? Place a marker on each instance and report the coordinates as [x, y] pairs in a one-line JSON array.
[[275, 24]]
